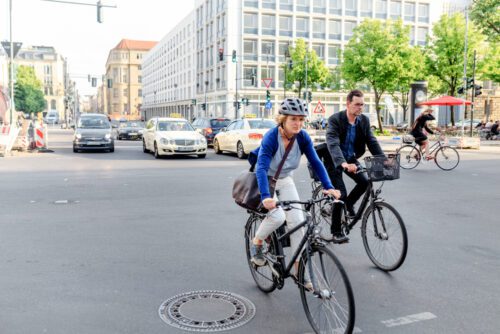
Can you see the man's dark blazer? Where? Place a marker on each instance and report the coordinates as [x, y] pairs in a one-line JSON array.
[[337, 132]]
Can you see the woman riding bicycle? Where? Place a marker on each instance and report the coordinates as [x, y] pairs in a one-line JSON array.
[[418, 133], [292, 114]]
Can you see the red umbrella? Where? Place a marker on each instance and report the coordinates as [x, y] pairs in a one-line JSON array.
[[445, 101]]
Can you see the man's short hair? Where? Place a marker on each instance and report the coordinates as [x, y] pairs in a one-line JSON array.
[[352, 93]]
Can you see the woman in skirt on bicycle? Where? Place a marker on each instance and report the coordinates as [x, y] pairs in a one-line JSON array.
[[418, 133], [292, 114]]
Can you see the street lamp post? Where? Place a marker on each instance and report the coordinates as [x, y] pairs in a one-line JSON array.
[[206, 107], [12, 106]]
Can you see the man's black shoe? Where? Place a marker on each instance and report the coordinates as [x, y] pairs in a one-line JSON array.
[[351, 213], [339, 238]]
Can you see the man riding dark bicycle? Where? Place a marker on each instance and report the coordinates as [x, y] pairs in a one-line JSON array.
[[347, 137]]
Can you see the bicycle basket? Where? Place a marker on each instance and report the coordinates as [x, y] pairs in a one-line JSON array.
[[408, 139], [383, 167], [312, 173]]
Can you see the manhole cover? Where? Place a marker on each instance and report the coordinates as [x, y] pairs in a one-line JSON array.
[[207, 311]]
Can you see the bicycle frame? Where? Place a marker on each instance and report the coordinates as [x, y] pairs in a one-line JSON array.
[[433, 148]]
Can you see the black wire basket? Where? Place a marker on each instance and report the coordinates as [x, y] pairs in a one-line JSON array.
[[382, 167]]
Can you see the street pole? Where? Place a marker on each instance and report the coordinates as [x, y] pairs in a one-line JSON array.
[[465, 66], [473, 92], [206, 107], [12, 106], [236, 88]]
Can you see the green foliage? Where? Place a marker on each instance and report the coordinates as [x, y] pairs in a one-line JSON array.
[[28, 95], [489, 68], [377, 54], [486, 14], [317, 72], [377, 132]]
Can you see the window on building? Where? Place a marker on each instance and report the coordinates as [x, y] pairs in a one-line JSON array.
[[348, 29], [412, 35], [139, 78], [333, 54], [281, 77], [395, 10], [286, 4], [267, 72], [302, 27], [53, 104], [283, 50], [252, 3], [320, 50], [269, 25], [351, 7], [366, 8], [303, 5], [319, 28], [125, 78], [270, 4], [139, 92], [250, 72], [335, 7], [381, 9], [250, 49], [115, 92], [250, 24], [267, 51], [286, 28], [423, 13], [422, 35], [409, 11], [319, 6], [334, 29]]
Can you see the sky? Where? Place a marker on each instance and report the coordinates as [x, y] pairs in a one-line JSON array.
[[74, 32]]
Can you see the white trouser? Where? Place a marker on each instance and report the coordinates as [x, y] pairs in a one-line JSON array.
[[285, 191]]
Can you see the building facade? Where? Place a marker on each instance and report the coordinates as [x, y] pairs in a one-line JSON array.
[[122, 96], [51, 69], [260, 32]]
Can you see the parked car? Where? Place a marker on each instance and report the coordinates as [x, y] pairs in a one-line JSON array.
[[242, 136], [458, 124], [402, 127], [209, 127], [130, 130], [93, 132], [172, 136], [52, 117]]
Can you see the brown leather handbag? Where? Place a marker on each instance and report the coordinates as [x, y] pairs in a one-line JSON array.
[[246, 189]]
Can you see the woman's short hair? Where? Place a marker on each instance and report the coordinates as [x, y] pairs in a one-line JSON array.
[[280, 119]]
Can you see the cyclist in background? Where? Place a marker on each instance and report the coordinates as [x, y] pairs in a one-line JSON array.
[[418, 133]]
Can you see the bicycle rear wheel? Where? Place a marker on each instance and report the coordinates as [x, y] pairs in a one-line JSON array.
[[330, 309], [263, 276], [409, 156], [447, 158], [323, 214], [384, 236]]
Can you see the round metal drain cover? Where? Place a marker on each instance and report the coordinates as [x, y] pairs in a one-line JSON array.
[[207, 311]]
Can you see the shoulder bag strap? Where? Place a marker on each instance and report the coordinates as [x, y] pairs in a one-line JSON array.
[[288, 149]]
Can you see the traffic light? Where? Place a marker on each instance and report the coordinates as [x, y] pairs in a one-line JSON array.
[[221, 54], [309, 96], [246, 102], [203, 106], [290, 64], [461, 91], [99, 14], [94, 82], [268, 96], [477, 90], [234, 56], [238, 105], [470, 82], [193, 102], [110, 83]]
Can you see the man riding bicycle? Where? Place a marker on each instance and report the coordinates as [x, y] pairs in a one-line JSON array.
[[347, 137]]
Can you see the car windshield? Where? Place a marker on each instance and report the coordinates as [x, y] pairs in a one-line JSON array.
[[93, 123], [219, 123], [261, 124], [131, 125], [174, 126]]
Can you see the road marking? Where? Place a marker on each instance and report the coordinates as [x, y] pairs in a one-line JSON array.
[[63, 201], [409, 319], [340, 331]]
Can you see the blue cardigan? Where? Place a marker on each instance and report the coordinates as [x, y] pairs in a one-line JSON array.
[[263, 155]]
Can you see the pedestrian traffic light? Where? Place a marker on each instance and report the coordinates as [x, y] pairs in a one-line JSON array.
[[99, 14], [268, 96], [234, 56], [246, 102], [477, 90], [290, 64], [94, 82], [309, 96], [221, 54], [193, 102], [238, 105]]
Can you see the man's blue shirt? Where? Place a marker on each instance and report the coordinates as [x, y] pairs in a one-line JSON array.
[[348, 146]]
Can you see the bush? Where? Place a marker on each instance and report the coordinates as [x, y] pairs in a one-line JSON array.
[[384, 132]]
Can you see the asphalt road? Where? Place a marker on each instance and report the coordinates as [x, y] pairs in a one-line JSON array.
[[95, 242]]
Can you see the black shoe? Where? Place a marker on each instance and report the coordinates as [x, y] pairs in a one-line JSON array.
[[351, 213], [339, 238]]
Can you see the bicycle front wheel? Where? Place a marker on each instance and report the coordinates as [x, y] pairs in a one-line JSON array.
[[384, 236], [323, 214], [263, 276], [447, 158], [409, 156], [330, 308]]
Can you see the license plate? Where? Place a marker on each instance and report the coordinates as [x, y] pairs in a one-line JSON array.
[[132, 134], [185, 148], [93, 143]]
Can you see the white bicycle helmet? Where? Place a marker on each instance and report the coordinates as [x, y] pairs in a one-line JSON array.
[[295, 107]]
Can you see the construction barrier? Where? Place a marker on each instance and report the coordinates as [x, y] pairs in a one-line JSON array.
[[41, 136], [8, 136]]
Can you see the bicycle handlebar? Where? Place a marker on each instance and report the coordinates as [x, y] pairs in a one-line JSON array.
[[308, 202]]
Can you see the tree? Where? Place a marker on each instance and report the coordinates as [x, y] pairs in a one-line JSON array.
[[317, 72], [445, 53], [28, 95], [372, 56], [486, 14], [489, 68]]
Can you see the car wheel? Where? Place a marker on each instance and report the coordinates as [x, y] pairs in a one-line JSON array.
[[216, 147], [144, 149], [201, 156], [112, 149], [75, 150], [240, 151], [157, 155]]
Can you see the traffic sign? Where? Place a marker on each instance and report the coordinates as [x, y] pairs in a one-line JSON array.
[[320, 108], [267, 82], [269, 105], [6, 47]]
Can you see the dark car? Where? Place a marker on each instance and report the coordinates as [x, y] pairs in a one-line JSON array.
[[209, 127], [402, 127], [130, 130], [93, 132]]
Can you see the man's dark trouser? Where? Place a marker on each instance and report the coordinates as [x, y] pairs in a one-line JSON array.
[[361, 180]]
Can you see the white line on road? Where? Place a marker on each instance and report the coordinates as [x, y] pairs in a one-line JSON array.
[[339, 331], [409, 319]]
